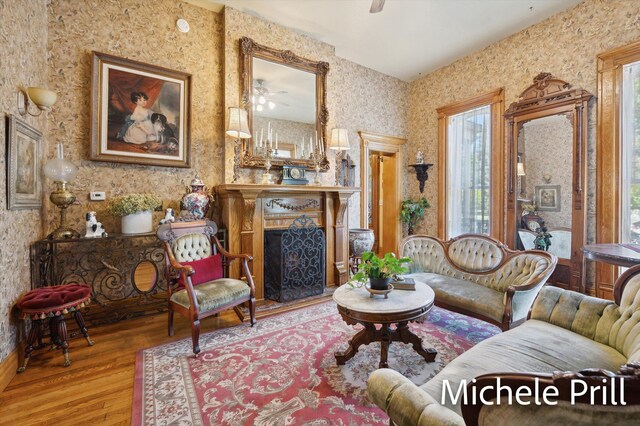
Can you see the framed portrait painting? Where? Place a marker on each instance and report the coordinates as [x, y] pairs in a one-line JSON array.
[[140, 113], [548, 198], [24, 183]]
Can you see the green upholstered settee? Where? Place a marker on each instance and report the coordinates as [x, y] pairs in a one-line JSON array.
[[478, 276], [566, 331]]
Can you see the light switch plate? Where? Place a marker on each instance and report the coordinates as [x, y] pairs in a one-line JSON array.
[[97, 196]]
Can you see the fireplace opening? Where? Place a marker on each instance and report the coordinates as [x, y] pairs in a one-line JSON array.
[[294, 261]]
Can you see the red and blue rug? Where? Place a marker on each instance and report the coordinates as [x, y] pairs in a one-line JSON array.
[[283, 371]]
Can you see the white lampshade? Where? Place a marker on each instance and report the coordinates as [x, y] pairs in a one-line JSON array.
[[43, 98], [59, 169], [339, 140], [520, 169], [238, 124]]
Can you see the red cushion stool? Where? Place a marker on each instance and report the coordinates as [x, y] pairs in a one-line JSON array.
[[54, 302]]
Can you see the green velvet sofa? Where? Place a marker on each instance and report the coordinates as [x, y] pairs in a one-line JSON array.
[[478, 276], [567, 332]]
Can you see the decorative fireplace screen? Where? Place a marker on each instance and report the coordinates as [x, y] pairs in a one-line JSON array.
[[294, 261]]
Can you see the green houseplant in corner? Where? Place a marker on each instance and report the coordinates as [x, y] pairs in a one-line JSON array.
[[379, 270], [136, 211], [413, 211]]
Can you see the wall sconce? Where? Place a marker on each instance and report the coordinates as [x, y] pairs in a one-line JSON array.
[[61, 171], [422, 173], [520, 173], [339, 142], [41, 97], [237, 127]]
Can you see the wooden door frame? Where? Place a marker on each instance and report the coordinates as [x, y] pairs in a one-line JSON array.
[[387, 144], [608, 156], [495, 99]]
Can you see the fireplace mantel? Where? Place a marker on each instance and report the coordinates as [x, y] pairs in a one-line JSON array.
[[250, 209]]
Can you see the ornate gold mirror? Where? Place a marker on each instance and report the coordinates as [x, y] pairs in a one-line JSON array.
[[145, 276], [285, 97], [547, 174]]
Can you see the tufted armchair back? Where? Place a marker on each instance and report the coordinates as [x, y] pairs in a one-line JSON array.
[[475, 258], [190, 247]]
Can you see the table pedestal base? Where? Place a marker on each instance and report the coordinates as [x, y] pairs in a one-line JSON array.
[[385, 335]]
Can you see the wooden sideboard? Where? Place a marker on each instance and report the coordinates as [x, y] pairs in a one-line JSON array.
[[248, 210]]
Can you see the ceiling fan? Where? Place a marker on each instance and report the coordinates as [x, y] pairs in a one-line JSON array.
[[376, 6], [261, 94]]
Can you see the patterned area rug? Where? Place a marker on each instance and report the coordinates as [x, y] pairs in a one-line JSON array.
[[283, 371]]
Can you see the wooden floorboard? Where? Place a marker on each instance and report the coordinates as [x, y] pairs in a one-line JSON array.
[[98, 386], [97, 389]]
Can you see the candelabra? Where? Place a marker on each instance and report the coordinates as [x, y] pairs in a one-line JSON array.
[[317, 158], [267, 178]]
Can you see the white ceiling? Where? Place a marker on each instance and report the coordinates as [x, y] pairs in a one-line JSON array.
[[409, 37]]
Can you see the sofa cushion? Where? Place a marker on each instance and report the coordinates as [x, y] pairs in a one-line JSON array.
[[464, 294], [475, 254], [535, 346]]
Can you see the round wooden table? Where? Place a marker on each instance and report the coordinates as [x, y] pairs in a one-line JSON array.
[[357, 307], [619, 254]]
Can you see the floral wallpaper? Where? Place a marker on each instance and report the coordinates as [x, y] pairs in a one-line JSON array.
[[565, 45], [23, 50], [143, 32], [541, 137], [358, 98]]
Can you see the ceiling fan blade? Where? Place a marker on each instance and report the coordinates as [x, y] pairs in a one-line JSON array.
[[376, 6], [281, 92]]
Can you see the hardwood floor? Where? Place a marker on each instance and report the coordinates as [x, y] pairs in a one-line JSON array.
[[98, 386]]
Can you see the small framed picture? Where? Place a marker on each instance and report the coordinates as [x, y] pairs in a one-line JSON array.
[[24, 183], [140, 113], [548, 198]]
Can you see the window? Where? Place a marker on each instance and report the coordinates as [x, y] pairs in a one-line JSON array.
[[471, 167], [630, 134], [469, 172]]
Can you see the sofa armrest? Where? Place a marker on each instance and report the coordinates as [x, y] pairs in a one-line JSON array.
[[406, 403], [522, 300], [574, 311]]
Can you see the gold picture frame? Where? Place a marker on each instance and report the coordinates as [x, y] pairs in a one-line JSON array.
[[24, 181], [141, 113]]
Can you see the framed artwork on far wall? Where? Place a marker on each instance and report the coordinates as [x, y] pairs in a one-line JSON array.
[[548, 198], [24, 182], [140, 113]]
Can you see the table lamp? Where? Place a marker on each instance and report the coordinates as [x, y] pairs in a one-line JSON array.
[[339, 142], [237, 127], [61, 171]]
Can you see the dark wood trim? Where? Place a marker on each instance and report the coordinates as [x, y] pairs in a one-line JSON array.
[[249, 49], [628, 376], [549, 96], [495, 99], [608, 152]]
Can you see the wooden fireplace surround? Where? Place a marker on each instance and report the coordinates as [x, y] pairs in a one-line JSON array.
[[250, 209]]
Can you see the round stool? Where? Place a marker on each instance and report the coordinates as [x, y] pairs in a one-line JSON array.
[[53, 302]]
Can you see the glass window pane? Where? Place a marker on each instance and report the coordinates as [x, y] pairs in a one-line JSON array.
[[469, 172], [630, 224]]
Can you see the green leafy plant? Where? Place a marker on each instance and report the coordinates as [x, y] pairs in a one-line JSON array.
[[375, 267], [529, 207], [133, 203], [413, 211]]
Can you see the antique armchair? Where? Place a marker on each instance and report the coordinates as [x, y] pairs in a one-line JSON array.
[[195, 265]]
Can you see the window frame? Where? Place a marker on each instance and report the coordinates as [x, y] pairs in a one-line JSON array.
[[609, 156], [495, 100]]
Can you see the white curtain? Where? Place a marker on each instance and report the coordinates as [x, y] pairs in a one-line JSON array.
[[631, 153], [469, 172]]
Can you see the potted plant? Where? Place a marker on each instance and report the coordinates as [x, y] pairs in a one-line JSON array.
[[136, 211], [380, 270], [413, 211]]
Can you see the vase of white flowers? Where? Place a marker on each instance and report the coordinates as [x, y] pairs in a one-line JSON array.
[[136, 211]]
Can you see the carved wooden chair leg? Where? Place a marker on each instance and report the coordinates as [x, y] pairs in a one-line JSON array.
[[195, 337], [53, 333], [33, 335], [83, 329], [62, 335], [170, 319], [252, 310]]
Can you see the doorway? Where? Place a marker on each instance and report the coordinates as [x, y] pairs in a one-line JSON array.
[[382, 187]]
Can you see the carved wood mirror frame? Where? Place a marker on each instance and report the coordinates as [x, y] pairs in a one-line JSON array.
[[549, 96], [249, 50]]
